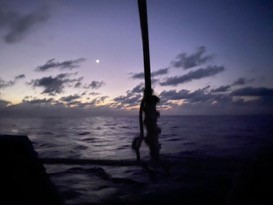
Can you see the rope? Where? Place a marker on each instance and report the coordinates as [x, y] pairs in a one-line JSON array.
[[149, 101], [102, 162]]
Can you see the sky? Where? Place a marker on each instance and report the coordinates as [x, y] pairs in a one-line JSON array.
[[84, 57]]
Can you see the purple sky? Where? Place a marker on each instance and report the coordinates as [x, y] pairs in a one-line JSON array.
[[207, 56]]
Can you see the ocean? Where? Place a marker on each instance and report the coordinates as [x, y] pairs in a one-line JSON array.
[[206, 154]]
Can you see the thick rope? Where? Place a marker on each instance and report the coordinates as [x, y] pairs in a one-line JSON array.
[[149, 101]]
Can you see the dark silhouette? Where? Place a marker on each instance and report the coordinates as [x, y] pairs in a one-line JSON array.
[[148, 107], [149, 101], [23, 177]]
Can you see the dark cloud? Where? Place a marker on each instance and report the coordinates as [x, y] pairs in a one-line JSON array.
[[132, 97], [78, 84], [137, 75], [4, 104], [70, 98], [18, 25], [94, 103], [48, 107], [39, 101], [250, 91], [53, 64], [193, 75], [20, 77], [101, 99], [94, 93], [138, 89], [4, 84], [174, 95], [187, 61], [159, 72], [198, 96], [128, 100], [54, 85], [201, 96], [162, 71], [95, 84], [243, 81], [221, 89]]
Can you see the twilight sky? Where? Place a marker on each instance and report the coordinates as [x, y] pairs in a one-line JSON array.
[[207, 56]]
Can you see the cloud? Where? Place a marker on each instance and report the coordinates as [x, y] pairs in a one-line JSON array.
[[4, 104], [159, 72], [242, 81], [54, 85], [132, 97], [19, 77], [138, 89], [5, 84], [53, 64], [199, 96], [39, 101], [193, 75], [221, 89], [128, 100], [188, 61], [137, 75], [78, 84], [94, 93], [95, 84], [18, 25], [70, 98], [250, 91], [162, 71], [101, 99], [174, 95]]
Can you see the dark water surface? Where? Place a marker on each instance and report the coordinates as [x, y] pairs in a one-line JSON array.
[[206, 153]]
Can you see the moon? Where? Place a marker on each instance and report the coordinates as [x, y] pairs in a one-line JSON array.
[[98, 61]]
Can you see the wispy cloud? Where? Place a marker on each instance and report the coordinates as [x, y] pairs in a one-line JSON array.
[[54, 85], [18, 25], [94, 93], [19, 77], [128, 100], [174, 95], [250, 91], [197, 96], [131, 98], [5, 83], [95, 84], [187, 61], [70, 98], [242, 81], [53, 64], [159, 72], [221, 89], [43, 101], [192, 75], [137, 89], [4, 104]]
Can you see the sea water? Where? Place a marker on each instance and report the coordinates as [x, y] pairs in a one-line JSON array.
[[205, 154]]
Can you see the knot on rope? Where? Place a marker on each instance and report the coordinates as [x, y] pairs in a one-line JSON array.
[[148, 107]]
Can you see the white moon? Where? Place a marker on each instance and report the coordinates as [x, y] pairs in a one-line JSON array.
[[97, 61]]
